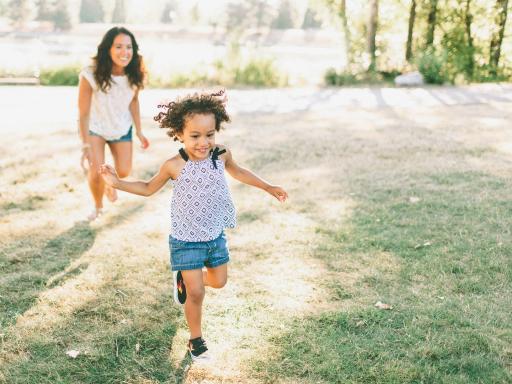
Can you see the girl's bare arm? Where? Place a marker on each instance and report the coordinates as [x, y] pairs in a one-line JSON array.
[[248, 177], [168, 170]]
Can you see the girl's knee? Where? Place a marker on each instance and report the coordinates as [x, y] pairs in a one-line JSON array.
[[219, 283], [195, 294]]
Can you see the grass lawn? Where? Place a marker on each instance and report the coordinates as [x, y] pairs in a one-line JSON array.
[[410, 207]]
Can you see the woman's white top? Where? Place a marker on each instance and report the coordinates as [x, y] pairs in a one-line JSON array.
[[201, 204], [110, 115]]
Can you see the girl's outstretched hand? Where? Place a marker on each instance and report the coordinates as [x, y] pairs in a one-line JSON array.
[[109, 174], [144, 142], [278, 192]]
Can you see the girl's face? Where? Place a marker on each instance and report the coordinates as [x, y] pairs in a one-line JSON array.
[[121, 51], [198, 135]]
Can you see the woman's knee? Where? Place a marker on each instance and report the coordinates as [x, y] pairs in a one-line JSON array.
[[94, 174], [123, 171]]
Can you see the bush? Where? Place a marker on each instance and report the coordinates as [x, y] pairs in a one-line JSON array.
[[60, 76], [332, 77], [258, 73], [431, 65]]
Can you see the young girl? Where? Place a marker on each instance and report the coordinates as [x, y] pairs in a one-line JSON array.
[[108, 107], [201, 204]]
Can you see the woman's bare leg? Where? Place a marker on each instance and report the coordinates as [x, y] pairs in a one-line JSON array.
[[122, 154], [96, 184]]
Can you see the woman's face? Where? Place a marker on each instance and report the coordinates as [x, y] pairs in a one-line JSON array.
[[121, 51]]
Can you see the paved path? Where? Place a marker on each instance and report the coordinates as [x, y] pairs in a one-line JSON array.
[[25, 108]]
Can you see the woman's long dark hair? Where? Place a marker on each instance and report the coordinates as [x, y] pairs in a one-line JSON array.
[[135, 70]]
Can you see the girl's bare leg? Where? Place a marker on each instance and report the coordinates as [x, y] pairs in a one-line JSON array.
[[193, 306], [216, 277]]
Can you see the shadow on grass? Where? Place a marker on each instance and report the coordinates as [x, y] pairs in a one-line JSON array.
[[32, 264], [183, 368], [121, 338], [451, 295]]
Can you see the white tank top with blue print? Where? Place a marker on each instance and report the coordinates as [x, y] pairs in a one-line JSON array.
[[201, 204]]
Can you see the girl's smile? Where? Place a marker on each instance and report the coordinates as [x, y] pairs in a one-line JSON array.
[[198, 135]]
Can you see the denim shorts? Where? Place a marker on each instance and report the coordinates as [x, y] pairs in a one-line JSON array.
[[127, 137], [187, 255]]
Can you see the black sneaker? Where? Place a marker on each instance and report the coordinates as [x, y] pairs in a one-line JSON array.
[[180, 292], [198, 350]]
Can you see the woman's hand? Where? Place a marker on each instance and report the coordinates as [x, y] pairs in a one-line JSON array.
[[278, 192], [144, 142], [85, 159], [109, 174]]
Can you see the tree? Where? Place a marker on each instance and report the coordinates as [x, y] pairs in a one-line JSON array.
[[169, 12], [284, 18], [119, 13], [44, 11], [19, 12], [346, 30], [60, 15], [248, 14], [372, 33], [311, 20], [91, 11], [410, 31], [468, 19], [431, 20], [501, 8]]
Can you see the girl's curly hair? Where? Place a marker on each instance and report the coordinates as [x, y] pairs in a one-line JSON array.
[[175, 113], [135, 70]]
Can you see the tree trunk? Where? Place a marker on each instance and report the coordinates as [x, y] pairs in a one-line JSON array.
[[346, 31], [468, 19], [410, 31], [431, 23], [372, 32], [497, 37]]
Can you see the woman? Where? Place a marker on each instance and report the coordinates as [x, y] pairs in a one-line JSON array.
[[108, 107]]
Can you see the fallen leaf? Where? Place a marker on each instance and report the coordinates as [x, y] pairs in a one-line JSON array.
[[381, 305], [425, 244], [137, 348], [414, 199], [73, 353]]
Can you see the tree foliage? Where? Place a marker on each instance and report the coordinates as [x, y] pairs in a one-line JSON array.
[[447, 40], [119, 13], [91, 11]]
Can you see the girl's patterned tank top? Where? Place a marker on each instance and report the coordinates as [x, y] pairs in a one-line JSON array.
[[201, 204]]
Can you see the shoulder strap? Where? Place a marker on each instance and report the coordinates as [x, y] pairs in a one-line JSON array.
[[183, 154], [215, 155]]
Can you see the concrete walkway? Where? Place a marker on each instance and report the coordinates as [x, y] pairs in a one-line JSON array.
[[23, 108]]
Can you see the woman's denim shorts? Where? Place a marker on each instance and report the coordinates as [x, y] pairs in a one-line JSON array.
[[187, 255], [127, 137]]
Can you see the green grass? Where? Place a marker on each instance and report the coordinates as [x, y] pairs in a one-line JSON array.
[[26, 265], [382, 208], [111, 351], [451, 295]]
